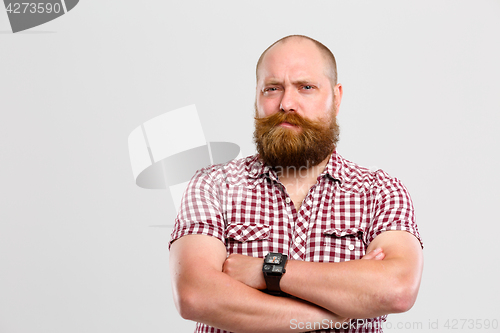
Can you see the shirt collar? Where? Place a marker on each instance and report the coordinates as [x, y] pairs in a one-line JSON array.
[[333, 168], [257, 168]]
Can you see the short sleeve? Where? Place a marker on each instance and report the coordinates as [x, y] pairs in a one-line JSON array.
[[391, 209], [200, 211]]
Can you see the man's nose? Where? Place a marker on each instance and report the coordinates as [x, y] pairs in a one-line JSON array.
[[288, 101]]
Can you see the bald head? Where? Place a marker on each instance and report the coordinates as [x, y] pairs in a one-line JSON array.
[[330, 63]]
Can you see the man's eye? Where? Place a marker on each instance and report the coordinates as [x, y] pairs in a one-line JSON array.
[[270, 90], [307, 87]]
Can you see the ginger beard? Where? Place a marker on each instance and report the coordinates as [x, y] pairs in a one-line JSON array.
[[306, 145]]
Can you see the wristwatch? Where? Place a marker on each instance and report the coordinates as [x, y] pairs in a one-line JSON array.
[[273, 269]]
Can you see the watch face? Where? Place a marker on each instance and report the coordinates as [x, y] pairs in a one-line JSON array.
[[273, 258]]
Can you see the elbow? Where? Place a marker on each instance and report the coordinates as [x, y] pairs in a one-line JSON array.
[[188, 305], [402, 298], [402, 303], [404, 291]]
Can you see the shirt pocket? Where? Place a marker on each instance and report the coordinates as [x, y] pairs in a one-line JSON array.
[[248, 239], [343, 244]]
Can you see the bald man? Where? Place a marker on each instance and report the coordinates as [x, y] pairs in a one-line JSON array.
[[295, 238]]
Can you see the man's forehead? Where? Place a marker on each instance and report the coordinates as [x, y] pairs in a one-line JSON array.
[[297, 72]]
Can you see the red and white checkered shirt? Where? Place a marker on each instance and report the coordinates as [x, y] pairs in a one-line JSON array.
[[244, 204]]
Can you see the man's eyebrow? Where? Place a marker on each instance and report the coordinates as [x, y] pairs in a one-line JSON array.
[[272, 81], [302, 81]]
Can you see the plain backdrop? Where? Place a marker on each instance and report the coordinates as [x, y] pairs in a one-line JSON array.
[[83, 249]]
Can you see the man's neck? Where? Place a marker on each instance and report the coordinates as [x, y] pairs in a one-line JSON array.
[[302, 173], [298, 181]]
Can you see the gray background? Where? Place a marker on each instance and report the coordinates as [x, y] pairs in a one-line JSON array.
[[79, 250]]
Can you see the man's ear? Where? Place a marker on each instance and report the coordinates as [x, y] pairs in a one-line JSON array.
[[337, 94]]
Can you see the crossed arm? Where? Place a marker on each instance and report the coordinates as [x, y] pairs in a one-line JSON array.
[[223, 292]]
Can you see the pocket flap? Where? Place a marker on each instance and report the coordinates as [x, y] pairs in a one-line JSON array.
[[249, 232], [344, 232]]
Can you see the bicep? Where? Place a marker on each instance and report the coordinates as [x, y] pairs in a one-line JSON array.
[[192, 253], [404, 250], [397, 243], [195, 265]]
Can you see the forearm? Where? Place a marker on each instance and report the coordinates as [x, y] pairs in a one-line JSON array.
[[221, 301], [355, 289], [362, 288]]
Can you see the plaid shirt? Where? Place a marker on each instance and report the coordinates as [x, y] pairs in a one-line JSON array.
[[244, 204]]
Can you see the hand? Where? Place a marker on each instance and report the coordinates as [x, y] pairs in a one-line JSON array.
[[245, 269], [376, 254]]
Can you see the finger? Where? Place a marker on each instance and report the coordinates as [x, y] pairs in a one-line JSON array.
[[373, 254]]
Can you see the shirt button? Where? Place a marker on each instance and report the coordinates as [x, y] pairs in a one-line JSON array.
[[351, 247], [288, 200], [297, 240]]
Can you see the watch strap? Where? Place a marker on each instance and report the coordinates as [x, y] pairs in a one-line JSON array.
[[273, 283], [274, 268]]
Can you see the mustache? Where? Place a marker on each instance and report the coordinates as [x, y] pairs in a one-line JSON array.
[[287, 117]]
